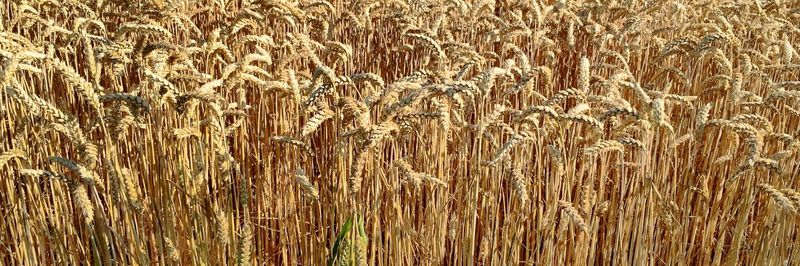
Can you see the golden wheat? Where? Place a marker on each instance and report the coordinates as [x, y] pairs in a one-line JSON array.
[[317, 132]]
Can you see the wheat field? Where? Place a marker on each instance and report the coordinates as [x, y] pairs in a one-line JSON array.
[[390, 132]]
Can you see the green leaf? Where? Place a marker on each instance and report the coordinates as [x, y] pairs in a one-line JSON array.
[[360, 227], [335, 252]]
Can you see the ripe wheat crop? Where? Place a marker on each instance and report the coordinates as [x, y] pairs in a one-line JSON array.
[[392, 132]]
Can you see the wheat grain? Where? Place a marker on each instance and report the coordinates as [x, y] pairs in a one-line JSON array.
[[308, 189], [573, 215], [779, 197], [80, 197]]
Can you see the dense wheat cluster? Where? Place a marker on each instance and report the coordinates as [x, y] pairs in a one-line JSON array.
[[389, 132]]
